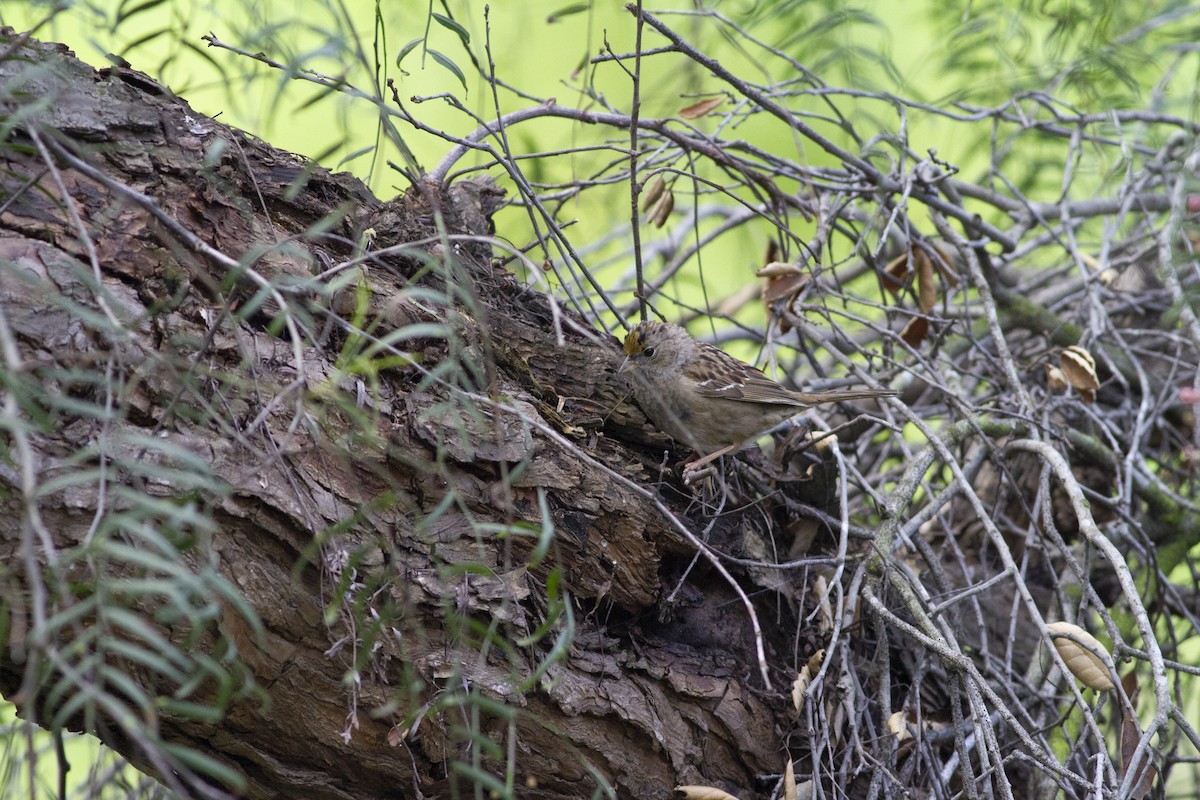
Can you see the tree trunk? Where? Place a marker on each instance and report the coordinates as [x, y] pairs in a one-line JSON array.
[[417, 472]]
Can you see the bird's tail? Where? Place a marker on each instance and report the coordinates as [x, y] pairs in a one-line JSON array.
[[840, 395]]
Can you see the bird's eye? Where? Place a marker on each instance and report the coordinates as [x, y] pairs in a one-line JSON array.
[[648, 352]]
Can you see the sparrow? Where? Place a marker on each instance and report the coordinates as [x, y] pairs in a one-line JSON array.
[[706, 399]]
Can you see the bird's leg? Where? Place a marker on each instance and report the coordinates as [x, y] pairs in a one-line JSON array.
[[692, 469]]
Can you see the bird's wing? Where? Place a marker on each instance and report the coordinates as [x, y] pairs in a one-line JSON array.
[[715, 373]]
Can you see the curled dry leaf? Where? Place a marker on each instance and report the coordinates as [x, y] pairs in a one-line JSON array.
[[1083, 654], [663, 210], [697, 110], [783, 284], [919, 262], [778, 269], [946, 262], [895, 274], [1055, 379], [804, 678], [799, 686], [789, 781], [654, 190], [825, 619], [703, 793], [927, 284], [1079, 368], [915, 331], [898, 724], [1131, 734]]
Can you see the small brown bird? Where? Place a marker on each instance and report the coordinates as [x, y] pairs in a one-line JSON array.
[[705, 398]]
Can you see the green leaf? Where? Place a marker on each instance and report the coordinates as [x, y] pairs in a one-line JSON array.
[[567, 11], [125, 12], [359, 152], [450, 65], [450, 24], [408, 48]]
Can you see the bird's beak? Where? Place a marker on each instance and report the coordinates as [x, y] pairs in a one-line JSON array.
[[627, 365]]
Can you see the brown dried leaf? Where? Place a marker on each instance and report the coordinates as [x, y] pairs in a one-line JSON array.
[[1082, 357], [774, 252], [785, 286], [898, 724], [927, 284], [946, 263], [821, 595], [663, 210], [1055, 378], [1079, 368], [1086, 658], [804, 678], [697, 110], [779, 269], [915, 331], [703, 793], [1131, 734], [895, 274], [799, 686], [1129, 685], [653, 191]]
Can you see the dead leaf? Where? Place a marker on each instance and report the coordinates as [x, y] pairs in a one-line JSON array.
[[898, 724], [917, 262], [825, 618], [895, 274], [804, 678], [703, 793], [915, 331], [663, 210], [697, 110], [1131, 734], [927, 284], [789, 781], [1079, 368], [653, 191], [779, 269], [774, 251], [799, 686], [784, 282], [1055, 378], [946, 263], [1086, 658]]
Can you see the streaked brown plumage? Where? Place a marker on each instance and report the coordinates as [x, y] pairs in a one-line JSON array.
[[706, 399]]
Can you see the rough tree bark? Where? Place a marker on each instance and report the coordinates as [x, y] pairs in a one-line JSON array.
[[650, 699]]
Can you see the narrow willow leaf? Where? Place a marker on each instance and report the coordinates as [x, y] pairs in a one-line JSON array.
[[452, 25], [451, 66]]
